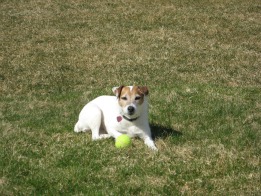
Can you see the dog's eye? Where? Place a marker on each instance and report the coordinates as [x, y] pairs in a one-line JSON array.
[[124, 98], [137, 98]]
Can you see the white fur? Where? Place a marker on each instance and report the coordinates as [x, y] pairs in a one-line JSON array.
[[101, 115]]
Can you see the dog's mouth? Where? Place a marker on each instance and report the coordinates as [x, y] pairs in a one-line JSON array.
[[130, 113]]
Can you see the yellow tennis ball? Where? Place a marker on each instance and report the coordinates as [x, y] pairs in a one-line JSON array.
[[123, 141]]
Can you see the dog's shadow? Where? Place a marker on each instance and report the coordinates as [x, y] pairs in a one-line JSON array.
[[161, 132]]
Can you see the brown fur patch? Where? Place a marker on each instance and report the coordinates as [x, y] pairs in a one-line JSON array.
[[134, 95], [143, 89]]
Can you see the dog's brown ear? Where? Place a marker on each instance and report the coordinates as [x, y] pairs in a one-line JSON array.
[[117, 91], [144, 90]]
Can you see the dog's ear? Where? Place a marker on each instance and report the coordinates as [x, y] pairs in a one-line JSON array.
[[117, 91], [144, 90]]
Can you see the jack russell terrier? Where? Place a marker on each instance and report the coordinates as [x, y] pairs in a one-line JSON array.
[[125, 113]]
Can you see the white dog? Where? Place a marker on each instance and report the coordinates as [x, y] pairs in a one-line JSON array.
[[125, 113]]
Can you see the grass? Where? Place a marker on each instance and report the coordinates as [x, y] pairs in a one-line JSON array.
[[201, 61]]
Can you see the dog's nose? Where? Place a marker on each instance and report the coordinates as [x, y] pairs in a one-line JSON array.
[[131, 109]]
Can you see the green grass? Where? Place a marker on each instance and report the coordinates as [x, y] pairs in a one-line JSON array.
[[201, 61]]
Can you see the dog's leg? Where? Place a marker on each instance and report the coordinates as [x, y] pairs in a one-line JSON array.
[[81, 127], [94, 121], [146, 136], [90, 119], [113, 133]]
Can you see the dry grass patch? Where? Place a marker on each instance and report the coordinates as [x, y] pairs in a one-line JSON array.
[[200, 61]]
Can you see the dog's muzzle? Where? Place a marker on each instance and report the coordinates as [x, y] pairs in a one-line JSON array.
[[131, 110]]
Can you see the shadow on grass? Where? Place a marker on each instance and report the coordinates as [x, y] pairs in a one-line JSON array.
[[162, 132]]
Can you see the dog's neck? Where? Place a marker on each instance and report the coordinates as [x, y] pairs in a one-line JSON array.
[[130, 119]]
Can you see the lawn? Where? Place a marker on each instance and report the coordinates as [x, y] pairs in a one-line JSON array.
[[201, 61]]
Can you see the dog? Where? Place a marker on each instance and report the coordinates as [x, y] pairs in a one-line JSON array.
[[124, 113]]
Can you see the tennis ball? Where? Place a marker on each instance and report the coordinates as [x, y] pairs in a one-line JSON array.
[[123, 141]]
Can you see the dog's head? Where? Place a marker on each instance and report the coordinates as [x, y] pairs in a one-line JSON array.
[[131, 100]]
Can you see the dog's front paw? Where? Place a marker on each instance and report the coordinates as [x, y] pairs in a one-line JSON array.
[[99, 137], [105, 136], [150, 143], [153, 147], [95, 137]]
